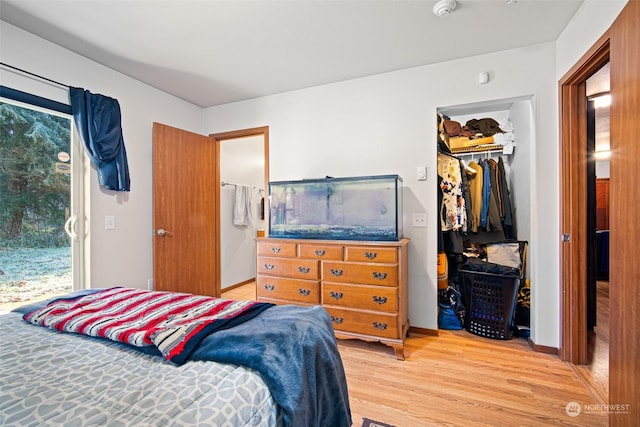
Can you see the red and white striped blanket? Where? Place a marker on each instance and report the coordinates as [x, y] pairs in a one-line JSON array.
[[173, 322]]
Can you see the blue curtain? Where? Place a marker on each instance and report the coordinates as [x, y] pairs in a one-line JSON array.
[[97, 119]]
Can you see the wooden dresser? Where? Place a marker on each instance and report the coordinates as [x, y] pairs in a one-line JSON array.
[[361, 284]]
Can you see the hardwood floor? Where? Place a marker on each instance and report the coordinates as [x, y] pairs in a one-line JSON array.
[[245, 292], [460, 379], [596, 373]]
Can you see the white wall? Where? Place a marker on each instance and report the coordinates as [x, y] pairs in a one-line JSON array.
[[590, 22], [603, 169], [241, 162], [120, 257], [386, 124]]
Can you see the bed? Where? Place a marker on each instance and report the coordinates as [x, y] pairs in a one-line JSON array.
[[267, 366]]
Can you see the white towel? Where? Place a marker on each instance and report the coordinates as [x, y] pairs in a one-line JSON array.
[[243, 210]]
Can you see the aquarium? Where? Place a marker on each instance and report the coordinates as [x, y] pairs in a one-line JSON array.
[[357, 208]]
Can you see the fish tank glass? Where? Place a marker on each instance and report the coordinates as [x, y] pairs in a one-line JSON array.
[[356, 208]]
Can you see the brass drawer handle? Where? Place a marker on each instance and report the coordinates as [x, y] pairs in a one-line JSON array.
[[379, 300], [336, 295], [304, 270], [320, 252], [370, 255], [337, 320], [380, 326], [304, 292], [269, 266], [335, 272], [379, 276], [269, 287], [275, 250]]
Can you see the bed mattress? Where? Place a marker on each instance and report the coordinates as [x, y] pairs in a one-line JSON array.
[[48, 378]]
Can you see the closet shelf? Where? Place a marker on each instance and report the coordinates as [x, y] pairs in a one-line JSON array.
[[477, 150]]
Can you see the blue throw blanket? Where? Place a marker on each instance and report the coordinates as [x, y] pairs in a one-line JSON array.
[[294, 350]]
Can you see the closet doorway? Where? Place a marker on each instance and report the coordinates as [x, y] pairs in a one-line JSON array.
[[242, 161], [497, 155]]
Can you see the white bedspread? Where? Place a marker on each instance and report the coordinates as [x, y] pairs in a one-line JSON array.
[[52, 379]]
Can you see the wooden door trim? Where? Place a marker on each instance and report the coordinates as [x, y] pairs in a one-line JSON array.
[[573, 192], [217, 139]]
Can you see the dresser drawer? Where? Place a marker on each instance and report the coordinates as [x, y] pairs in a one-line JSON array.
[[371, 254], [277, 249], [321, 252], [306, 291], [378, 298], [296, 267], [364, 322], [371, 274]]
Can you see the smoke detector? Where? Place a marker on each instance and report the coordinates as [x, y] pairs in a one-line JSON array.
[[444, 7]]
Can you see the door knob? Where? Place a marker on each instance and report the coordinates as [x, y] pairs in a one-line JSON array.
[[162, 232]]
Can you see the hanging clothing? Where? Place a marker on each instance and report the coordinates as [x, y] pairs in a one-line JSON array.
[[243, 208], [452, 211], [486, 194], [509, 229], [498, 189], [494, 223], [466, 174], [475, 189]]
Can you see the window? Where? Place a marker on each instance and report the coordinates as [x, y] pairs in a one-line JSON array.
[[41, 202]]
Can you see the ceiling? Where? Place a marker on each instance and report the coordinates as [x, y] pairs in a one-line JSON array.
[[213, 52]]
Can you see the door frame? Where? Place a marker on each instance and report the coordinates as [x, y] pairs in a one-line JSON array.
[[573, 201], [218, 138]]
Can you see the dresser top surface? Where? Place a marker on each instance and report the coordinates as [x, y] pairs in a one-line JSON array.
[[402, 242]]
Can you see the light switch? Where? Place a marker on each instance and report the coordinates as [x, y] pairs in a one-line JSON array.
[[422, 173]]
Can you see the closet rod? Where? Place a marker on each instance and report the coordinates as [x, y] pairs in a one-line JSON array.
[[471, 153], [231, 184], [34, 75]]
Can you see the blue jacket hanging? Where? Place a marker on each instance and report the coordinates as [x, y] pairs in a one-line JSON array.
[[97, 118]]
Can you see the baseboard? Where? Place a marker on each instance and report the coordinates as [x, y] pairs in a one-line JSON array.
[[237, 285], [423, 331], [542, 348]]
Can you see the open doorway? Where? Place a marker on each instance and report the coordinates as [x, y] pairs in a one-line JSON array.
[[243, 163], [595, 371]]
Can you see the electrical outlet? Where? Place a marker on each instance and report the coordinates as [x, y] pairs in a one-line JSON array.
[[109, 222], [150, 284], [419, 220]]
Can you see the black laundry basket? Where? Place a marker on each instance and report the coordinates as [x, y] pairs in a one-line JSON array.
[[490, 303]]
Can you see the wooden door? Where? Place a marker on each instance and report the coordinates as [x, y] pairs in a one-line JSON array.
[[184, 215], [624, 271]]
